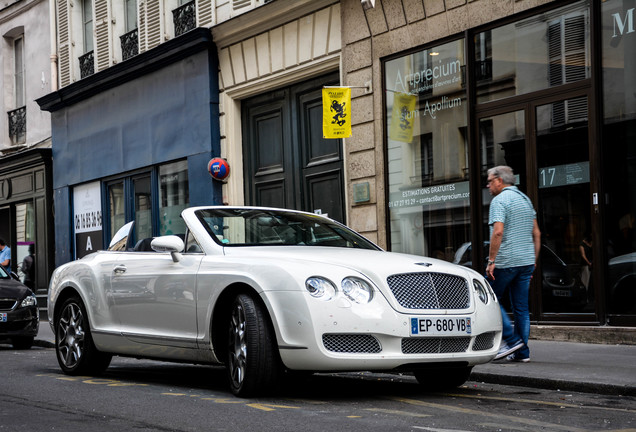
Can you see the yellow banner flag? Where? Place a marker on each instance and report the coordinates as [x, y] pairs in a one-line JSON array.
[[336, 112], [402, 117]]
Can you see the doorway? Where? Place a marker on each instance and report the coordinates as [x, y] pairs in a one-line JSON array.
[[287, 162], [547, 142]]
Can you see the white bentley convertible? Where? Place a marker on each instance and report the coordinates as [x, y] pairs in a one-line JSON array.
[[265, 291]]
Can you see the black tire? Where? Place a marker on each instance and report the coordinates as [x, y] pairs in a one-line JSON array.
[[22, 342], [76, 352], [442, 378], [253, 364]]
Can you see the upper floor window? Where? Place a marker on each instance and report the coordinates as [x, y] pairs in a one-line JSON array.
[[87, 24], [18, 50], [131, 15], [17, 116]]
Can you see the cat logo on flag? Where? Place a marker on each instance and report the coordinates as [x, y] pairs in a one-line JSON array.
[[336, 112], [402, 117]]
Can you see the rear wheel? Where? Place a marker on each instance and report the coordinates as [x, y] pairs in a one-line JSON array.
[[253, 365], [443, 378], [76, 352]]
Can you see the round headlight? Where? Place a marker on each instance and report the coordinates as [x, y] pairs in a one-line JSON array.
[[320, 288], [357, 290], [482, 293]]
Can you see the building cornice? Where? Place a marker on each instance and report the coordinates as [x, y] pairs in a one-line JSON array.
[[167, 53], [263, 18]]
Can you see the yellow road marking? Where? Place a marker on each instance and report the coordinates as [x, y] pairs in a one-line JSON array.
[[269, 407], [515, 419], [532, 401], [398, 412]]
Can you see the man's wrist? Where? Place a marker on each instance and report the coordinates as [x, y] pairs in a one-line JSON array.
[[491, 262]]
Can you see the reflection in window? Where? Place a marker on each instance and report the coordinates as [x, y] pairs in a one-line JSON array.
[[173, 197], [87, 24], [428, 151], [534, 54], [619, 156], [143, 208], [116, 205]]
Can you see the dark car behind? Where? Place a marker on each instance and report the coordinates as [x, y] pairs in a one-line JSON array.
[[19, 314]]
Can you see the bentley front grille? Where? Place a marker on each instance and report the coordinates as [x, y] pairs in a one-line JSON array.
[[351, 343], [435, 345], [430, 291]]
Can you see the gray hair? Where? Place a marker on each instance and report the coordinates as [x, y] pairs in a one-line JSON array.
[[504, 173]]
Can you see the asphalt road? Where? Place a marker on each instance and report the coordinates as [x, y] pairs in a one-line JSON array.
[[141, 395]]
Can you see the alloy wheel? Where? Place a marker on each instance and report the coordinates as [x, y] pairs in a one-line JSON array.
[[70, 335], [237, 346]]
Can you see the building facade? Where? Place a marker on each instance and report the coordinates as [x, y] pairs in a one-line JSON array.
[[441, 91], [545, 87], [25, 138]]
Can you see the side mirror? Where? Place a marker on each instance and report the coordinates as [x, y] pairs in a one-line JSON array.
[[171, 243]]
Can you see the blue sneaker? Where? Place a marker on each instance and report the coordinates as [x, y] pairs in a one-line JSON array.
[[515, 358], [506, 350]]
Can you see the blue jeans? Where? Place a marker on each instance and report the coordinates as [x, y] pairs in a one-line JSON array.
[[517, 280]]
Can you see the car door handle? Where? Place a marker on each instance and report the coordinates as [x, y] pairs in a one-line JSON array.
[[119, 269]]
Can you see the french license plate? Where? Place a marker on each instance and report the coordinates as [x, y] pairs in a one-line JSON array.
[[440, 326], [3, 317], [561, 293]]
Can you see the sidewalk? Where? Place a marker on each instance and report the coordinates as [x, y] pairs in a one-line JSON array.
[[555, 365]]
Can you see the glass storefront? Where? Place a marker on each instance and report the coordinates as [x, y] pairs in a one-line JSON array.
[[427, 147], [619, 153], [534, 110]]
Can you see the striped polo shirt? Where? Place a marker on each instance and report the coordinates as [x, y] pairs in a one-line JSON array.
[[515, 211]]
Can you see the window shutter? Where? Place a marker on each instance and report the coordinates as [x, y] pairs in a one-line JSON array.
[[204, 13], [240, 4], [64, 60], [153, 23], [141, 26], [102, 35]]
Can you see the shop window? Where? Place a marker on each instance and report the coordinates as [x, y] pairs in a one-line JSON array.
[[619, 154], [173, 197], [427, 151], [153, 199], [534, 54]]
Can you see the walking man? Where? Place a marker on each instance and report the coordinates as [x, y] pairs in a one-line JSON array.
[[5, 256], [515, 241]]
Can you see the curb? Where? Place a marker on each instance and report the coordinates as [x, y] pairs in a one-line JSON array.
[[553, 384]]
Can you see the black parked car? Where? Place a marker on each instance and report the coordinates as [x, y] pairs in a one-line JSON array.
[[19, 314], [562, 291]]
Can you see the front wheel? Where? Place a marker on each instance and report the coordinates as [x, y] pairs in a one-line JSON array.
[[442, 378], [253, 365], [76, 352]]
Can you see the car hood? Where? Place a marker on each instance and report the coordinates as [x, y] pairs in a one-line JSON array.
[[369, 262], [12, 289]]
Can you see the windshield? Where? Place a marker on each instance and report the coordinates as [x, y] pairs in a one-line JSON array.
[[264, 227], [4, 274]]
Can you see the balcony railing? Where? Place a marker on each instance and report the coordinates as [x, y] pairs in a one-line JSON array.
[[184, 18], [87, 64], [129, 44], [17, 125]]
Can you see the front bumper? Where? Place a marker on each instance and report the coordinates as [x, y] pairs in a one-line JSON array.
[[340, 336], [20, 322]]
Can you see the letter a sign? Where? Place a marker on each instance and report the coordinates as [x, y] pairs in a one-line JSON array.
[[336, 112]]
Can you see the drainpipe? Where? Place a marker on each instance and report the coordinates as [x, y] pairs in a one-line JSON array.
[[53, 36]]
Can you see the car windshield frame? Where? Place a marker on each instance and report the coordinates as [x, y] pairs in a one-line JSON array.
[[240, 227]]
